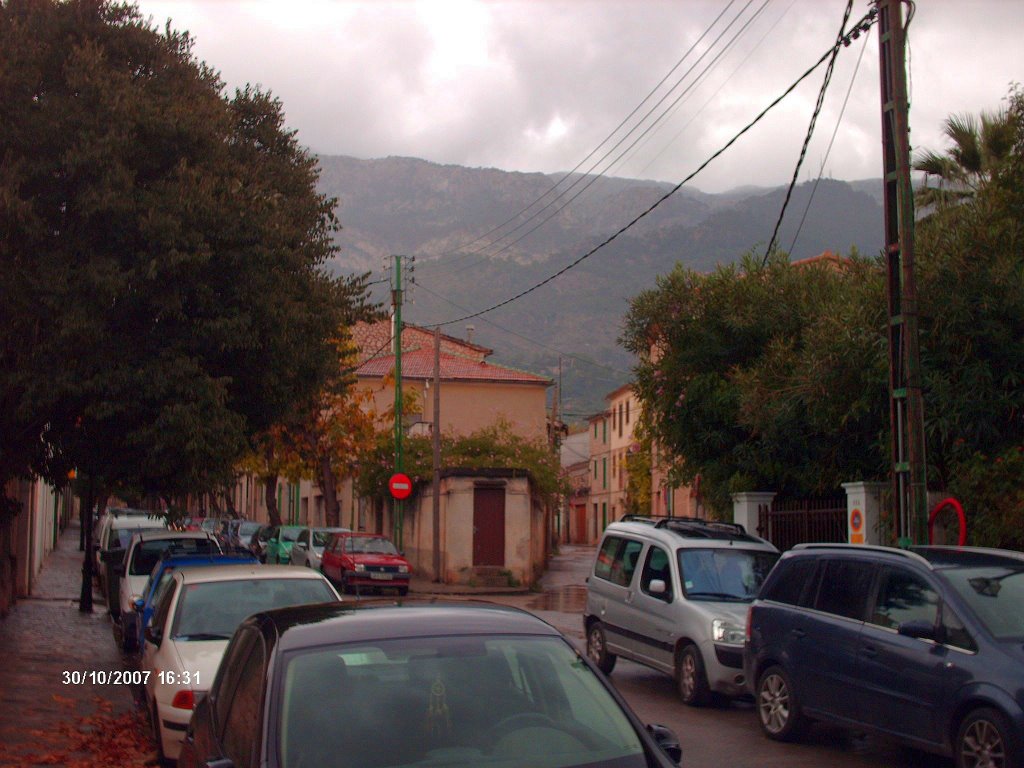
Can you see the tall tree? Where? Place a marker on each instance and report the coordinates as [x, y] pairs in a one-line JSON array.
[[163, 294], [980, 145]]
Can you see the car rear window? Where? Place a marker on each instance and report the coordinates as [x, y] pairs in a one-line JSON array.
[[213, 610], [148, 553]]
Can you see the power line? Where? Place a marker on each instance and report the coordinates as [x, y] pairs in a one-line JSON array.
[[861, 25], [605, 140], [810, 128], [591, 179], [584, 360], [831, 141]]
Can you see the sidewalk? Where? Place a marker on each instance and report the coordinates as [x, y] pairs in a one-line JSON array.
[[42, 638]]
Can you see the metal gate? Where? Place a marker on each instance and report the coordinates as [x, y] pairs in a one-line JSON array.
[[788, 522]]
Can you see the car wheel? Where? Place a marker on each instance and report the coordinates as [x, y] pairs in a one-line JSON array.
[[691, 678], [597, 649], [778, 710], [985, 740]]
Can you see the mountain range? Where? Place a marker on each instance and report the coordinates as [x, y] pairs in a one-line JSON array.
[[481, 236]]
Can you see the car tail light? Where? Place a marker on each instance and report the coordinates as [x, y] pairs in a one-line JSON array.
[[184, 700]]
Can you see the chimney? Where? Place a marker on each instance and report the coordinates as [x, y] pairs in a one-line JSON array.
[[469, 333]]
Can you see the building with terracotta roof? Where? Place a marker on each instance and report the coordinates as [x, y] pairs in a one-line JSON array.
[[475, 393]]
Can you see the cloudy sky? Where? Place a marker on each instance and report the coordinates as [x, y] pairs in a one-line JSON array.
[[532, 85]]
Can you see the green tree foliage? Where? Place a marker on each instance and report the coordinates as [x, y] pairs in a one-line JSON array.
[[776, 377], [972, 271], [493, 447], [163, 297], [763, 376], [979, 146]]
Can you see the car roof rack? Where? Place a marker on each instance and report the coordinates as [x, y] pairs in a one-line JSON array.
[[697, 527]]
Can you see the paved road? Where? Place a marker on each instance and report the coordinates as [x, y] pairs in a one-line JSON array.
[[47, 635], [725, 736]]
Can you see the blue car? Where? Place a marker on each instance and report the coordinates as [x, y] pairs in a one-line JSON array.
[[160, 578], [924, 646]]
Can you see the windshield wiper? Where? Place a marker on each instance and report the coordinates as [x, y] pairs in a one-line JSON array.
[[719, 595], [202, 636]]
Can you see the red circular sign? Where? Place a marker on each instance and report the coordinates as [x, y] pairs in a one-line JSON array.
[[400, 486]]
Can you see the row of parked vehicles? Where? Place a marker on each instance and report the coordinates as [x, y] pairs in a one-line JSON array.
[[924, 646], [245, 663]]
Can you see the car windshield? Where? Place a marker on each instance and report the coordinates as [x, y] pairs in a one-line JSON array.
[[995, 594], [322, 536], [370, 545], [456, 701], [147, 553], [211, 525], [213, 610], [724, 574], [290, 534], [248, 528]]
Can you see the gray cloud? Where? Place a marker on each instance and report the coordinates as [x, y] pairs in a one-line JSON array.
[[535, 86]]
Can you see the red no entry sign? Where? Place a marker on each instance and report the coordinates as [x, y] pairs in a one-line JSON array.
[[400, 486]]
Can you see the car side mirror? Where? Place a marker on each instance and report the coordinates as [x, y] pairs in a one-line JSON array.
[[656, 587], [666, 738], [153, 635], [919, 628]]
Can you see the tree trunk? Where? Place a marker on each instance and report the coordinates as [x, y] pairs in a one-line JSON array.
[[270, 486], [85, 597], [332, 512]]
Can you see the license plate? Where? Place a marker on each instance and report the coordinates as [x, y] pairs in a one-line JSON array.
[[382, 576]]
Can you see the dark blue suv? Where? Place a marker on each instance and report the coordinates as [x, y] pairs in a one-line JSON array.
[[925, 646]]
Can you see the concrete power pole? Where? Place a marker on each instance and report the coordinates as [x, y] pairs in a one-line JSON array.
[[906, 410], [437, 454]]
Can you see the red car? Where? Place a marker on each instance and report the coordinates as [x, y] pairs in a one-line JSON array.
[[358, 562]]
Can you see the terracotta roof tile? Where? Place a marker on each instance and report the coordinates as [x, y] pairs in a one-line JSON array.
[[419, 364]]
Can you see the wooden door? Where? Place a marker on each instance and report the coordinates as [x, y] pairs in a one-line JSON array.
[[488, 526]]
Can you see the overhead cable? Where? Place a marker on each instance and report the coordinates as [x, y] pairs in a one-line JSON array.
[[865, 23], [810, 128]]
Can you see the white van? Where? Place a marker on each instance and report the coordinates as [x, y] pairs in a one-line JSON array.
[[672, 594]]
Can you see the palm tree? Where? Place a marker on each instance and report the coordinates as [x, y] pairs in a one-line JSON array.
[[980, 146]]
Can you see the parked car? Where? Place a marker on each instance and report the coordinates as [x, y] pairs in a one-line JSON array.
[[117, 534], [462, 684], [364, 562], [102, 526], [672, 593], [239, 533], [196, 616], [279, 544], [258, 542], [160, 578], [309, 546], [923, 646], [141, 555]]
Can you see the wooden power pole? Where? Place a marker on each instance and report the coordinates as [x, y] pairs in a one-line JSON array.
[[906, 411]]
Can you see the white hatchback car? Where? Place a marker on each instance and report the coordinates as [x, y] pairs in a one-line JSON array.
[[190, 629], [142, 553], [114, 539], [308, 549]]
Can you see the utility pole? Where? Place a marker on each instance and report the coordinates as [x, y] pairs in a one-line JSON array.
[[906, 410], [396, 303], [437, 454]]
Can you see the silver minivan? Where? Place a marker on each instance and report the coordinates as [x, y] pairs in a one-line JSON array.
[[672, 593]]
